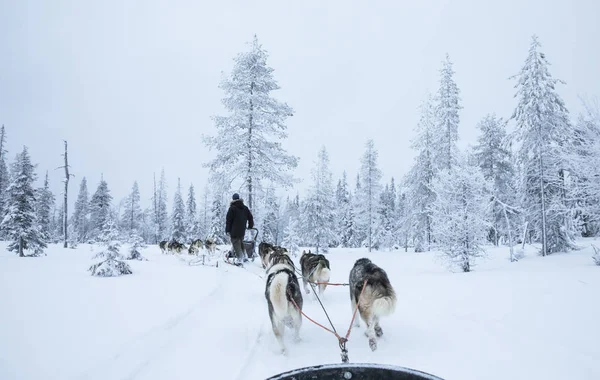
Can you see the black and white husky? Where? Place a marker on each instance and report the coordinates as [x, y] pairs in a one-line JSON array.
[[377, 300], [283, 287], [315, 268]]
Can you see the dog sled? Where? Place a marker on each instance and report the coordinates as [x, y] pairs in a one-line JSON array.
[[355, 372], [249, 247]]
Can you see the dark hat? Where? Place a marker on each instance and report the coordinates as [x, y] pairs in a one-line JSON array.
[[235, 196]]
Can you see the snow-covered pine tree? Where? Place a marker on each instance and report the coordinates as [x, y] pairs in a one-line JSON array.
[[112, 264], [370, 189], [20, 222], [584, 155], [419, 179], [100, 205], [359, 235], [178, 232], [385, 233], [460, 213], [271, 226], [4, 176], [159, 201], [191, 216], [136, 244], [45, 204], [80, 219], [542, 128], [291, 237], [345, 214], [403, 221], [131, 219], [204, 215], [318, 218], [217, 221], [447, 105], [247, 139], [493, 156]]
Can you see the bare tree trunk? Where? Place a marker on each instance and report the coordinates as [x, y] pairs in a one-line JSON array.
[[65, 215], [21, 247], [510, 241]]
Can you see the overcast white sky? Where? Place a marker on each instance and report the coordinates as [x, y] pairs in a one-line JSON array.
[[132, 84]]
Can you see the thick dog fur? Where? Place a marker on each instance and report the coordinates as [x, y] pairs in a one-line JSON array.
[[195, 246], [315, 268], [265, 250], [282, 287], [281, 258], [211, 245], [377, 300], [163, 246]]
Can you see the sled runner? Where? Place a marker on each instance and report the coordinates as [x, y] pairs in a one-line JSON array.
[[248, 246]]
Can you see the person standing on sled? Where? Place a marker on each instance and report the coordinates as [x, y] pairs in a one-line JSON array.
[[237, 217]]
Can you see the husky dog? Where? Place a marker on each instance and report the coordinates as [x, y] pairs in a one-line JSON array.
[[175, 246], [211, 245], [195, 247], [163, 246], [315, 268], [377, 300], [265, 250], [283, 287], [281, 258]]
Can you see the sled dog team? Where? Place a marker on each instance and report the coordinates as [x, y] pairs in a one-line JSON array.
[[284, 295]]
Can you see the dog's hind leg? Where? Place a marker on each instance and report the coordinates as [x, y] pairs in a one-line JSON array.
[[378, 330], [297, 320], [367, 316], [305, 285], [278, 330]]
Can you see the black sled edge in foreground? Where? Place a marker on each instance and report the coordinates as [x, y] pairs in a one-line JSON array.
[[358, 371]]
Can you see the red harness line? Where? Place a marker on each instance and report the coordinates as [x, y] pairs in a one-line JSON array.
[[341, 340]]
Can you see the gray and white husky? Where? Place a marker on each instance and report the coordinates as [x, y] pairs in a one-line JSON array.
[[315, 268], [283, 287], [377, 300]]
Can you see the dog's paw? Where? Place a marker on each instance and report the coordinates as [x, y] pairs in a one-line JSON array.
[[297, 339], [378, 332], [373, 344]]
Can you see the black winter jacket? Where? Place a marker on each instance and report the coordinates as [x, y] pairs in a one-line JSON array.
[[237, 217]]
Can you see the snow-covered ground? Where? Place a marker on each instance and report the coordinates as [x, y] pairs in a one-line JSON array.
[[534, 319]]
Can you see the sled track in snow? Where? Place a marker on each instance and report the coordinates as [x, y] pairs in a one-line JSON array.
[[133, 357]]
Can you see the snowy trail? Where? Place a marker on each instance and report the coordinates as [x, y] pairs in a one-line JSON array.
[[522, 320]]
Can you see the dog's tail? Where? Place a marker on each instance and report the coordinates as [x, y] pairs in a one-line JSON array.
[[278, 294], [384, 306]]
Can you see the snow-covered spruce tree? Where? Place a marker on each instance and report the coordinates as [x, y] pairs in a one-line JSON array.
[[460, 213], [272, 223], [368, 195], [159, 201], [112, 263], [131, 218], [385, 233], [136, 244], [319, 208], [4, 176], [100, 209], [344, 213], [45, 204], [204, 214], [447, 106], [291, 237], [178, 232], [419, 179], [493, 156], [247, 139], [20, 222], [403, 220], [80, 219], [542, 127], [583, 157], [217, 221], [192, 223], [360, 234]]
